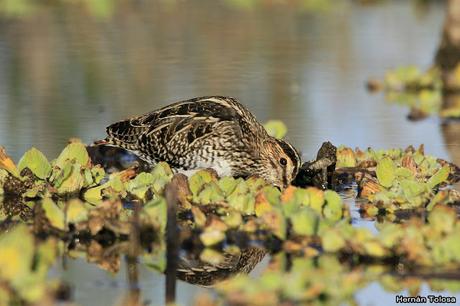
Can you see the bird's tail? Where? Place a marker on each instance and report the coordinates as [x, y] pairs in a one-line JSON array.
[[115, 142], [122, 134], [101, 142]]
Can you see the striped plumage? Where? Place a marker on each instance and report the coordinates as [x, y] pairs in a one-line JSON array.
[[207, 132], [197, 272]]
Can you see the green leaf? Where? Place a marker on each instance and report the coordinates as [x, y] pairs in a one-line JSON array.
[[199, 218], [244, 203], [156, 210], [233, 219], [74, 151], [162, 175], [210, 194], [332, 241], [402, 172], [88, 178], [255, 183], [412, 189], [390, 235], [53, 213], [345, 158], [16, 254], [140, 184], [36, 162], [333, 208], [157, 261], [275, 128], [316, 199], [198, 180], [113, 188], [76, 211], [386, 172], [439, 197], [374, 248], [211, 236], [74, 182], [262, 204], [446, 250], [60, 174], [45, 257], [439, 177], [305, 222], [228, 184], [241, 199], [272, 194], [98, 173], [442, 219], [402, 75], [93, 195], [291, 200], [276, 222], [211, 256], [32, 287]]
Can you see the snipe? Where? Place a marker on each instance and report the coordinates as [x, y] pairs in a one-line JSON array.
[[207, 132]]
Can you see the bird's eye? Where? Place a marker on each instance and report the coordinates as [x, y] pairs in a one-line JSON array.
[[283, 161]]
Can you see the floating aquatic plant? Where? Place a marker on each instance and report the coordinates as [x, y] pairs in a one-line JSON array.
[[421, 91], [71, 198], [400, 179], [319, 281]]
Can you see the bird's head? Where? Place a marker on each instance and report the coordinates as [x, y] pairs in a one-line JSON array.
[[280, 162]]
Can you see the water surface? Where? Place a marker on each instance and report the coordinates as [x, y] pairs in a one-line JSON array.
[[66, 71]]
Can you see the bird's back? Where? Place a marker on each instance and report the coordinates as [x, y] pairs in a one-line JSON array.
[[166, 134]]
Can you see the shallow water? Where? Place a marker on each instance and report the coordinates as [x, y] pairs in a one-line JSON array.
[[66, 72]]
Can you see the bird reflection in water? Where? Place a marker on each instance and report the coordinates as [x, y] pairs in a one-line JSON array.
[[198, 272]]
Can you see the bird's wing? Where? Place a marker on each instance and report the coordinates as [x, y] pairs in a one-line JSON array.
[[156, 132], [211, 109], [187, 127]]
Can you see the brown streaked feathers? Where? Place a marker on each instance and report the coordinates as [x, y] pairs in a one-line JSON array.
[[206, 132]]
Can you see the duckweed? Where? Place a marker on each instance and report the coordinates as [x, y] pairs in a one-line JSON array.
[[401, 179], [72, 198], [421, 91]]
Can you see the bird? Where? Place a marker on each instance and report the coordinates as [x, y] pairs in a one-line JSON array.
[[195, 271], [214, 132]]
